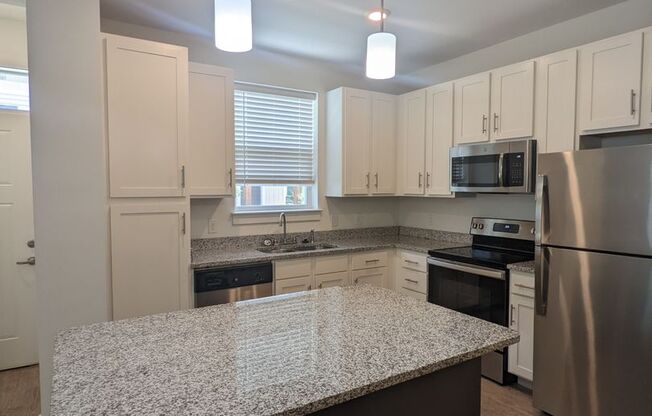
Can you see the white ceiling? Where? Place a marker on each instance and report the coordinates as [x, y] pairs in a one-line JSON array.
[[428, 31]]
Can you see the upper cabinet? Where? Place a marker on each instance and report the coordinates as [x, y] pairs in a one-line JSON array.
[[556, 80], [360, 143], [147, 117], [472, 109], [610, 82], [211, 160], [412, 136], [439, 138], [512, 101]]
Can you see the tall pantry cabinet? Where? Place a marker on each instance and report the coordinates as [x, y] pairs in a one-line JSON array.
[[146, 110]]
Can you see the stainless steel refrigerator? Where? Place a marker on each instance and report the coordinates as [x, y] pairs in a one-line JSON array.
[[593, 317]]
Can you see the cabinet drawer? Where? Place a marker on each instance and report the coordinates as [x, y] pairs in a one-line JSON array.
[[414, 261], [295, 284], [413, 294], [332, 279], [376, 277], [331, 264], [522, 284], [292, 268], [413, 280], [368, 260]]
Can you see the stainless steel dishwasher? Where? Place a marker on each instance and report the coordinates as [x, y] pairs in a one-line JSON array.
[[233, 283]]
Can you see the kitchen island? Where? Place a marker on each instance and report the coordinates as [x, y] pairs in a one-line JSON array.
[[350, 350]]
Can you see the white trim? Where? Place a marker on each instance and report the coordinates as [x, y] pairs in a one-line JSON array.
[[272, 217]]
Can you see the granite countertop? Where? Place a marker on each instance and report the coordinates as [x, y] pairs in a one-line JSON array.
[[283, 355], [208, 256], [525, 266]]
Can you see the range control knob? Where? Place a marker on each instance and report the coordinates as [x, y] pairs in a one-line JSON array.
[[475, 225], [481, 226], [532, 230]]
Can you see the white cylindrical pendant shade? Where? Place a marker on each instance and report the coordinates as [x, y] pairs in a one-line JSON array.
[[381, 55], [233, 25]]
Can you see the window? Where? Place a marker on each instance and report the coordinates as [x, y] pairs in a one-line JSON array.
[[14, 89], [274, 148]]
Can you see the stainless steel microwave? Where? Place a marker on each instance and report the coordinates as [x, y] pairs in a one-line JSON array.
[[507, 167]]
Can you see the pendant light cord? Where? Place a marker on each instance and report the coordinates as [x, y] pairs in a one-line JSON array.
[[382, 15]]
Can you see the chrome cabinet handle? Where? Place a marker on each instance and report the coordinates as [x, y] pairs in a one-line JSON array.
[[427, 179], [367, 180], [356, 280], [495, 122], [632, 102], [372, 261], [376, 176], [484, 123], [420, 177], [183, 223], [309, 287], [511, 315], [523, 286], [411, 281], [183, 176], [231, 178], [30, 260], [411, 261], [31, 244], [321, 285]]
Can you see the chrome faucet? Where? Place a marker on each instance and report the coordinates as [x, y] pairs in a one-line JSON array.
[[283, 222], [312, 236]]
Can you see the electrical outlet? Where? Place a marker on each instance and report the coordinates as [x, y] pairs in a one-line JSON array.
[[334, 220], [213, 226]]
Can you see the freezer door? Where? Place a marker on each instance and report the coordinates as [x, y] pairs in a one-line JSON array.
[[593, 340], [596, 199]]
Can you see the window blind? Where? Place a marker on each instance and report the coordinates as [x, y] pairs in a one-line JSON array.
[[274, 135], [14, 89]]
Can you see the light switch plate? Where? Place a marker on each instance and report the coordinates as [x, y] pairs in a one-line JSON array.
[[334, 220], [213, 226]]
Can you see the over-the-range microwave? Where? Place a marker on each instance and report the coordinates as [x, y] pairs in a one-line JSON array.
[[506, 167]]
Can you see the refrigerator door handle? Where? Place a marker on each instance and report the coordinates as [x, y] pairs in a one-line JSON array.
[[541, 209], [541, 279]]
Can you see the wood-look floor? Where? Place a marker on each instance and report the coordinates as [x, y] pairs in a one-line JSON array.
[[19, 396]]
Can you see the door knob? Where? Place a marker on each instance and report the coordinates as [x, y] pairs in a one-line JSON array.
[[31, 261]]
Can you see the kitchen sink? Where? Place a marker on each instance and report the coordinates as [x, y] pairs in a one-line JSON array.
[[296, 248]]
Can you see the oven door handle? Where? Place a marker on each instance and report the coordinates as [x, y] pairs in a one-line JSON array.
[[482, 271]]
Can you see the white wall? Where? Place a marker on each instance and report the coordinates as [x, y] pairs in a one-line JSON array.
[[13, 37], [70, 207], [286, 71]]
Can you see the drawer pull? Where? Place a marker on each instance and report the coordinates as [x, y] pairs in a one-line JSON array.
[[411, 261], [523, 286], [372, 261], [411, 281]]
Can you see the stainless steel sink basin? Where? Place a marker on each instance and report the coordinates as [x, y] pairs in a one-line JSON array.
[[296, 248]]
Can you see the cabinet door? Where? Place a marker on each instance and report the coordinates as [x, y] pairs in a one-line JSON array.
[[646, 95], [556, 80], [521, 355], [413, 131], [383, 144], [211, 131], [471, 116], [439, 138], [610, 82], [149, 259], [375, 277], [512, 101], [296, 284], [332, 279], [357, 141], [147, 112]]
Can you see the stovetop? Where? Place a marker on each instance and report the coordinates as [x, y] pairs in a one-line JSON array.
[[482, 256]]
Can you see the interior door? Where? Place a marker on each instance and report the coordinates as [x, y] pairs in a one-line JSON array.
[[439, 138], [512, 101], [610, 82], [414, 141], [18, 343], [383, 144], [593, 341], [357, 141], [472, 109]]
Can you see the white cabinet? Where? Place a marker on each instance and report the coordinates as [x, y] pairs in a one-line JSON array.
[[147, 117], [610, 82], [512, 101], [369, 259], [556, 79], [439, 138], [383, 144], [149, 259], [311, 273], [332, 279], [412, 274], [471, 116], [360, 143], [376, 276], [412, 132], [294, 284], [646, 94], [211, 137], [521, 319]]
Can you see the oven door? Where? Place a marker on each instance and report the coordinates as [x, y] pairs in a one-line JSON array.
[[473, 290]]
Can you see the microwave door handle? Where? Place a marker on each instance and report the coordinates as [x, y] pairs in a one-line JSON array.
[[501, 176]]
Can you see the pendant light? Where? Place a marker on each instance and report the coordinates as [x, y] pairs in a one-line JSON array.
[[381, 51], [233, 25]]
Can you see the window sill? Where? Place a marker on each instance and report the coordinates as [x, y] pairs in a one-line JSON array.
[[271, 217]]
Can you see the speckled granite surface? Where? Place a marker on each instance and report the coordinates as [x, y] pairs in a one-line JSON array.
[[229, 251], [526, 266], [284, 355]]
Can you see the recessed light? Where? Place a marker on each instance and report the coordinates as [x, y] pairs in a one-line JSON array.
[[375, 15]]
